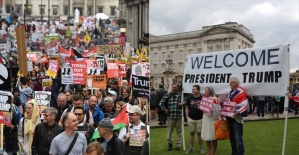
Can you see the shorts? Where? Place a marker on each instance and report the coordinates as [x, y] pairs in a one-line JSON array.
[[194, 125], [274, 104]]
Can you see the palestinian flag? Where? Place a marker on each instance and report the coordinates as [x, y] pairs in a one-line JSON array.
[[121, 120]]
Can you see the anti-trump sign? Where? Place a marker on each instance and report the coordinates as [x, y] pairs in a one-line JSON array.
[[140, 86], [79, 72], [261, 71], [5, 100], [42, 98]]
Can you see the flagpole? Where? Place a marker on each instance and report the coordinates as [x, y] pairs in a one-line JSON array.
[[286, 104]]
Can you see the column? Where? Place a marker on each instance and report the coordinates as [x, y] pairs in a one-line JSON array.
[[85, 8], [71, 7], [146, 19], [4, 8], [23, 3], [61, 8], [94, 7]]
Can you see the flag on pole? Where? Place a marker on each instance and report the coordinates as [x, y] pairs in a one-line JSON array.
[[87, 38], [64, 52], [120, 121]]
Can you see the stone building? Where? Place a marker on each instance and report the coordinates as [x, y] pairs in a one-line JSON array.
[[214, 38], [59, 9], [134, 16]]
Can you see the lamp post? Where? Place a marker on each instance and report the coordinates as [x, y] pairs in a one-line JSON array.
[[41, 12], [169, 72], [49, 12]]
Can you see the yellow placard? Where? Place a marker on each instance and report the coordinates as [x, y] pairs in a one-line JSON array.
[[51, 74], [47, 82]]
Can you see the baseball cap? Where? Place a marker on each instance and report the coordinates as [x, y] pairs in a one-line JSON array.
[[134, 109], [106, 122], [41, 75], [114, 81], [112, 92]]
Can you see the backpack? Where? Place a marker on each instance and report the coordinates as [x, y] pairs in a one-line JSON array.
[[86, 112]]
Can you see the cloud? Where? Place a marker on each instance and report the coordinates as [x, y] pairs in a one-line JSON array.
[[271, 22]]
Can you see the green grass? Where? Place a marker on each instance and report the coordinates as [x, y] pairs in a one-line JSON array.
[[260, 138]]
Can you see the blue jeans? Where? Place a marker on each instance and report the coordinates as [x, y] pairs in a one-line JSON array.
[[236, 136], [260, 108]]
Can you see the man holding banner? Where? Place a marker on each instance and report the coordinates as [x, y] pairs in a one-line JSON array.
[[237, 95], [171, 104]]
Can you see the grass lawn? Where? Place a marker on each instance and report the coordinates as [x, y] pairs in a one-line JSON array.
[[260, 138]]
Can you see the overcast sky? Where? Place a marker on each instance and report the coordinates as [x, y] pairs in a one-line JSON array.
[[270, 22]]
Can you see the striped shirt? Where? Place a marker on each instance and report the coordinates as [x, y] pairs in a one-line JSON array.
[[170, 101]]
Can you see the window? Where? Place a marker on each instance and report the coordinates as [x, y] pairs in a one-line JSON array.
[[55, 9], [29, 11], [8, 8], [163, 55], [227, 48], [210, 49], [218, 48], [19, 8], [172, 54], [41, 9], [112, 13], [66, 12], [181, 69], [156, 56], [190, 51], [100, 10], [156, 85], [199, 51], [89, 11], [181, 54]]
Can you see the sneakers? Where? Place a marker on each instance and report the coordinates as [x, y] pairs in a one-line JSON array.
[[189, 151], [202, 150], [169, 146]]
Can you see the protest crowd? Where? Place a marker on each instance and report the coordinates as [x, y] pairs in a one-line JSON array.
[[85, 90]]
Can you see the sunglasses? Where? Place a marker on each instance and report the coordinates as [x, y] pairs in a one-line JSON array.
[[78, 114]]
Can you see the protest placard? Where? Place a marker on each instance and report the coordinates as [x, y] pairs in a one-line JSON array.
[[79, 72], [97, 81], [52, 70], [5, 100], [47, 82], [206, 104], [112, 69], [228, 109], [140, 86]]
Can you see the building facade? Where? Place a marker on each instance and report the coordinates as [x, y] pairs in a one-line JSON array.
[[214, 38], [59, 9], [134, 16]]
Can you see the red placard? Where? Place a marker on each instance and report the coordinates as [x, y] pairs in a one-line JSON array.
[[112, 69], [228, 109], [79, 72], [122, 70], [206, 104]]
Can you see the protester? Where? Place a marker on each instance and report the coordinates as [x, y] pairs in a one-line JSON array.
[[83, 127], [108, 109], [25, 92], [61, 106], [112, 94], [69, 141], [85, 94], [27, 125], [94, 148], [10, 131], [97, 114], [194, 116], [124, 95], [45, 132], [137, 130], [17, 101], [260, 103], [114, 86], [78, 102], [69, 97], [161, 114], [153, 98], [237, 95], [171, 104], [111, 143], [118, 107], [33, 77], [101, 94], [208, 120], [38, 84]]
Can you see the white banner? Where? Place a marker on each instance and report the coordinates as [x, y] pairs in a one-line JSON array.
[[261, 71], [66, 75]]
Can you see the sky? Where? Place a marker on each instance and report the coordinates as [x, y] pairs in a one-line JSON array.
[[270, 22]]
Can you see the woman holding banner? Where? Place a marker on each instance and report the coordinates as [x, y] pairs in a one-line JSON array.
[[27, 125], [208, 120]]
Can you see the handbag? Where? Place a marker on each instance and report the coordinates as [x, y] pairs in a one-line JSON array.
[[221, 130], [72, 144]]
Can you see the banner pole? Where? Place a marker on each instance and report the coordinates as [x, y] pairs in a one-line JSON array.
[[183, 128], [286, 104], [1, 138]]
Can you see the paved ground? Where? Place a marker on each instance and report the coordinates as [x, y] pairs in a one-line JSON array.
[[251, 117]]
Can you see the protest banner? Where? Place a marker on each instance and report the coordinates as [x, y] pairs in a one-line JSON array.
[[139, 69], [32, 56], [66, 75], [206, 104], [47, 82], [89, 53], [30, 66], [122, 70], [52, 70], [261, 71], [96, 81], [137, 137], [110, 49], [93, 67], [79, 72], [102, 65], [228, 109], [140, 86], [112, 68], [42, 98], [5, 100]]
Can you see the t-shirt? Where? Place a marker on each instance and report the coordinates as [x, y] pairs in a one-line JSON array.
[[61, 143], [194, 113]]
